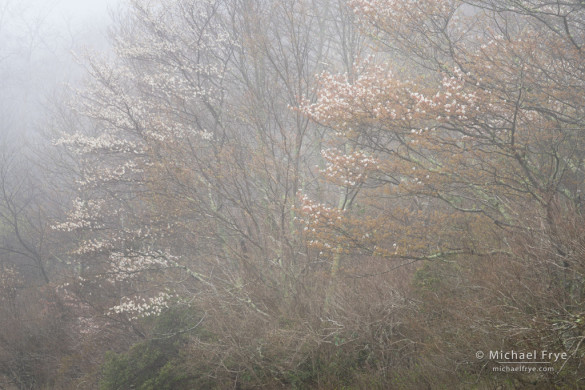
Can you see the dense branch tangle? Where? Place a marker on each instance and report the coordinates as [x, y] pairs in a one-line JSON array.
[[218, 173], [488, 137], [193, 158]]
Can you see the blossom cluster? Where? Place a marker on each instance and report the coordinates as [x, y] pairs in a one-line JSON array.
[[83, 144], [142, 307], [340, 100], [313, 215], [348, 169], [125, 266], [456, 98], [83, 214], [94, 176]]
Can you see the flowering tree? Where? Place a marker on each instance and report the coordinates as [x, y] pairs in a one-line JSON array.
[[190, 156], [489, 129], [204, 184], [139, 107], [467, 143]]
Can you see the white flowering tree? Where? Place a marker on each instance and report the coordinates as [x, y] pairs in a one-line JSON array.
[[191, 154], [151, 112]]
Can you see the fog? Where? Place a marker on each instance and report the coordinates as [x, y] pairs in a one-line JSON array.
[[38, 43], [292, 194]]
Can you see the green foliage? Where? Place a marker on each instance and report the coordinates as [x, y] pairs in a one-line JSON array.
[[147, 366], [155, 364]]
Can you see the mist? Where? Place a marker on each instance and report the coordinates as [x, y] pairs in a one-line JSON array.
[[295, 194], [39, 43]]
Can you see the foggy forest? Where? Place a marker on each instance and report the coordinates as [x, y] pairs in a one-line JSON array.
[[292, 194]]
